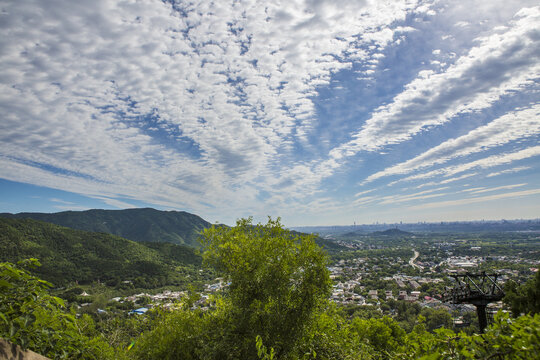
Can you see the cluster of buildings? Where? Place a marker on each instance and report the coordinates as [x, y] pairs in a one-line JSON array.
[[167, 299], [166, 296], [343, 293], [350, 290], [456, 263], [414, 282], [346, 296]]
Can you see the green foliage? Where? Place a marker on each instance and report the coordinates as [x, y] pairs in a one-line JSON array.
[[330, 337], [71, 255], [120, 331], [384, 335], [262, 351], [278, 280], [33, 319], [181, 334], [436, 318], [523, 299], [506, 338], [275, 308], [383, 338], [278, 283], [142, 225]]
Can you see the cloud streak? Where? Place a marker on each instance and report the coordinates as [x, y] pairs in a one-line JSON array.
[[473, 200], [485, 163], [500, 64], [509, 127]]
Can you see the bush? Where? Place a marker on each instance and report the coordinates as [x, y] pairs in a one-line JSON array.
[[35, 320]]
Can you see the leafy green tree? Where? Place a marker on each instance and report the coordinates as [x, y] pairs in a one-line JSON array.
[[329, 337], [506, 338], [384, 335], [181, 334], [436, 318], [278, 280], [32, 318], [523, 299]]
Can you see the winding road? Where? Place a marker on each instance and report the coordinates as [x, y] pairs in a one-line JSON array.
[[411, 261]]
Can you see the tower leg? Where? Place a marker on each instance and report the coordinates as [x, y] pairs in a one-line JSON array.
[[482, 317]]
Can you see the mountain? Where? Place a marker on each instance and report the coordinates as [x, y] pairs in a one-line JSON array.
[[69, 255], [141, 225]]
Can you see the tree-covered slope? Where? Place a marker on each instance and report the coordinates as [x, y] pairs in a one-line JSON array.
[[147, 224], [68, 255]]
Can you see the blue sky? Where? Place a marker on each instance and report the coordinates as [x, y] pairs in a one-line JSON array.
[[321, 112]]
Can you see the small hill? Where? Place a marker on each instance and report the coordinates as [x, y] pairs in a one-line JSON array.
[[141, 225], [69, 255], [392, 232]]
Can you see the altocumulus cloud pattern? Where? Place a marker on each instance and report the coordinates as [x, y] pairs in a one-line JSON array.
[[316, 110]]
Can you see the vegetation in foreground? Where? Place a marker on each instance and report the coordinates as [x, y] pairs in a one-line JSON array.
[[275, 308]]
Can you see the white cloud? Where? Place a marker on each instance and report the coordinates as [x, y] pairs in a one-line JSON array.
[[473, 189], [116, 203], [510, 127], [363, 192], [60, 201], [426, 194], [505, 187], [365, 200], [445, 181], [508, 171], [500, 64], [462, 24], [199, 103], [476, 199], [211, 106], [490, 161]]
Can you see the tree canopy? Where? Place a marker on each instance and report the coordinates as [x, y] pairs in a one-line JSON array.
[[277, 281], [524, 299]]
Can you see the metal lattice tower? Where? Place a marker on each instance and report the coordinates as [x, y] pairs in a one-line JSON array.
[[476, 289]]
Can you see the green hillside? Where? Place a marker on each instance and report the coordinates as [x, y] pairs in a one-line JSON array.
[[74, 255], [141, 225]]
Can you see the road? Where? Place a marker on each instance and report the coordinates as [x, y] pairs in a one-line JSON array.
[[411, 261]]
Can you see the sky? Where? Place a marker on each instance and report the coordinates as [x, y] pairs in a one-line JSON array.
[[319, 112]]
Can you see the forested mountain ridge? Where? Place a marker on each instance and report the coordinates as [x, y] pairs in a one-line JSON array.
[[75, 255], [139, 225]]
